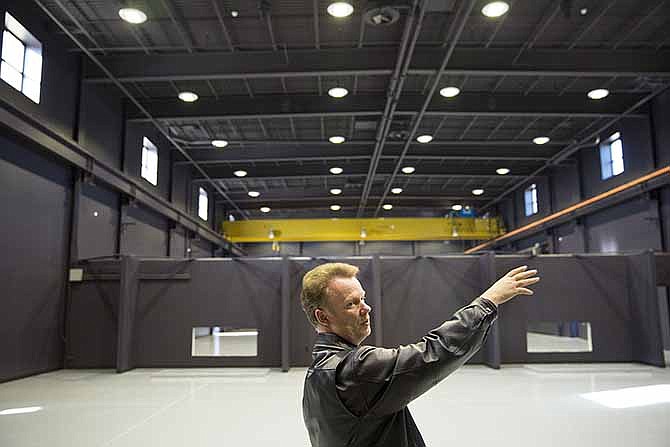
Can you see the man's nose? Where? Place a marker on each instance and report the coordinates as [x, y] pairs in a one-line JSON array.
[[367, 308]]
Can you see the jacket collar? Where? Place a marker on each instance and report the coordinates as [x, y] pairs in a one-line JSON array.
[[330, 341]]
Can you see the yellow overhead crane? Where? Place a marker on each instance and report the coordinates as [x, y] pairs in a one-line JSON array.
[[375, 229]]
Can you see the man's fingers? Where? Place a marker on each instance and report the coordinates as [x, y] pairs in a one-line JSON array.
[[524, 275], [527, 282], [517, 270], [524, 291]]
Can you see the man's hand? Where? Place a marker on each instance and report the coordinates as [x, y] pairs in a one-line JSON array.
[[512, 284]]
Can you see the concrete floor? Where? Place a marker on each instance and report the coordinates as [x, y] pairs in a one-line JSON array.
[[518, 405]]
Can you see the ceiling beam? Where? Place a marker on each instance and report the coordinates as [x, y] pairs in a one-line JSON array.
[[377, 61], [466, 104]]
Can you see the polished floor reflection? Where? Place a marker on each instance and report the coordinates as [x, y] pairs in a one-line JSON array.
[[518, 405]]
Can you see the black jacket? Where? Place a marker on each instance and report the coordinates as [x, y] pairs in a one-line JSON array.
[[357, 396]]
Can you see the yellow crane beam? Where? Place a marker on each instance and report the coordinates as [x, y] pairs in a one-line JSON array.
[[375, 229]]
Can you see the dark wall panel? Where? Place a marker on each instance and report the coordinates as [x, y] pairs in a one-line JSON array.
[[101, 122], [201, 249], [624, 227], [181, 186], [661, 112], [60, 71], [237, 293], [565, 185], [420, 294], [328, 249], [35, 196], [144, 233], [597, 292], [98, 222], [396, 248]]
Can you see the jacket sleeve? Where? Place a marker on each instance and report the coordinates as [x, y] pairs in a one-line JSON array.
[[392, 378]]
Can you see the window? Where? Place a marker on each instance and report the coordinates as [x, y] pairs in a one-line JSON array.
[[21, 65], [149, 161], [530, 199], [611, 156], [203, 204]]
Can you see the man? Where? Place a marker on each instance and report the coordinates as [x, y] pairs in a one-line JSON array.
[[357, 396]]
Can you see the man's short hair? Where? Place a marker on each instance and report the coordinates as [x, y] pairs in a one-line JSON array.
[[315, 286]]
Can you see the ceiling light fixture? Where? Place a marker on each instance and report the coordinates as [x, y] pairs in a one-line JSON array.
[[502, 171], [132, 15], [336, 170], [541, 140], [340, 9], [478, 192], [450, 92], [598, 93], [583, 11], [336, 191], [364, 233], [336, 139], [495, 9], [265, 209], [456, 207], [408, 169], [424, 138], [396, 190], [387, 206], [254, 193], [338, 92], [335, 207], [234, 13], [188, 96], [219, 143], [240, 173], [271, 234]]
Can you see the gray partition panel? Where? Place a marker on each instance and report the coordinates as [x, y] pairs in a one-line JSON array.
[[93, 316], [420, 294], [662, 263], [645, 321], [487, 271], [238, 293], [303, 333], [130, 271], [572, 288]]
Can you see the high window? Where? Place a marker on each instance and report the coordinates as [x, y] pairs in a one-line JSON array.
[[149, 161], [611, 156], [530, 199], [21, 65], [203, 203]]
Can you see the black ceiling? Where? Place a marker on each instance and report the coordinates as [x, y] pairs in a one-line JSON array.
[[262, 79]]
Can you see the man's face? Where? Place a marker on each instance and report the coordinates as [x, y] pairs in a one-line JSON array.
[[347, 313]]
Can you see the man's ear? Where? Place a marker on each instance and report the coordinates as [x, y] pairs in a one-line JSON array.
[[321, 317]]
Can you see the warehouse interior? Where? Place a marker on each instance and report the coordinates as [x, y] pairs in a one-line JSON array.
[[171, 169]]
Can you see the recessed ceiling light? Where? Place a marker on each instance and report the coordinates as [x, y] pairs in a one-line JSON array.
[[338, 92], [584, 11], [424, 138], [234, 13], [265, 209], [132, 15], [541, 140], [387, 206], [450, 92], [336, 170], [219, 143], [495, 9], [188, 96], [335, 207], [336, 139], [240, 173], [396, 190], [456, 207], [340, 9], [478, 192], [336, 191], [408, 169], [502, 171], [254, 193], [23, 410], [598, 93]]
